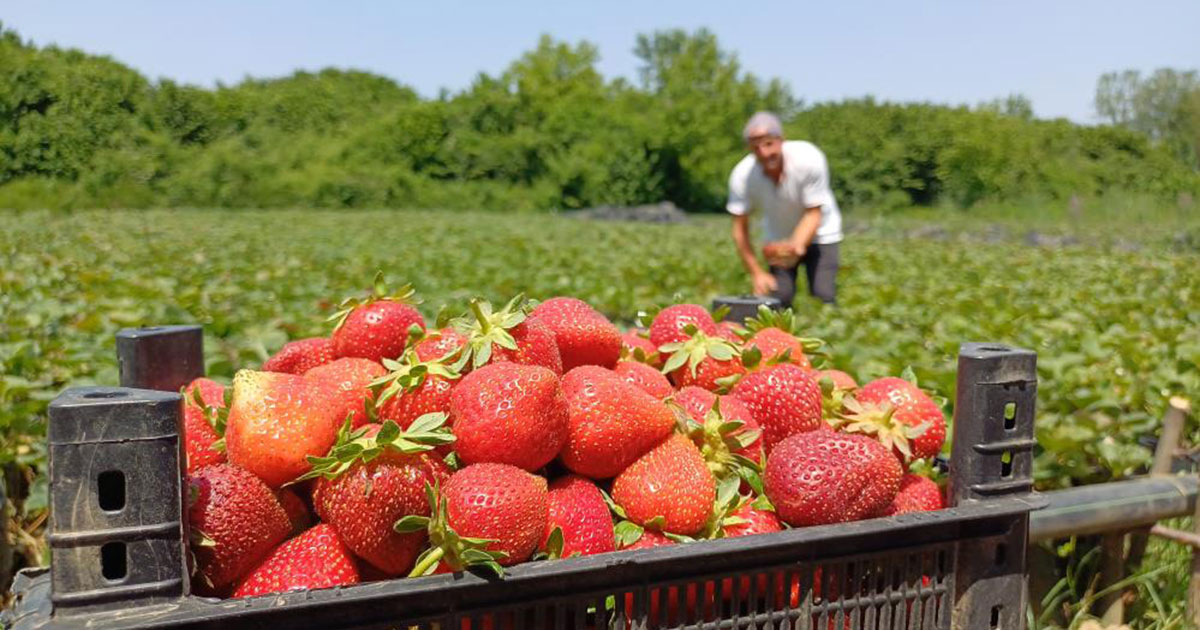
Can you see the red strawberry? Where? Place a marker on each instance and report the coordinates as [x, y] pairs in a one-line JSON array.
[[584, 336], [730, 332], [375, 328], [668, 488], [822, 477], [718, 448], [647, 540], [203, 424], [774, 334], [578, 510], [508, 413], [501, 504], [373, 478], [440, 344], [645, 377], [300, 356], [784, 399], [297, 510], [235, 521], [414, 387], [756, 521], [917, 494], [348, 383], [838, 378], [836, 387], [635, 347], [611, 422], [668, 326], [779, 346], [508, 335], [312, 560], [276, 421], [704, 361], [899, 415]]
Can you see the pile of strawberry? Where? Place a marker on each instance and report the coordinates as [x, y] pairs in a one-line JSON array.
[[532, 432]]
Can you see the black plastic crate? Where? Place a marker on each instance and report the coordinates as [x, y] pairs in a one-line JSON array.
[[962, 567]]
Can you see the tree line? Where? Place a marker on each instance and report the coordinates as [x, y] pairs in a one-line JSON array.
[[549, 132]]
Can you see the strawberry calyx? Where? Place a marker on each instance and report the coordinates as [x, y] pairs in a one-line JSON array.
[[379, 292], [355, 445], [217, 417], [728, 502], [445, 545], [486, 328], [719, 439], [696, 349], [833, 399], [879, 422], [409, 374], [784, 320]]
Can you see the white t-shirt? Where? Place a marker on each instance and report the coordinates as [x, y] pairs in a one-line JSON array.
[[804, 184]]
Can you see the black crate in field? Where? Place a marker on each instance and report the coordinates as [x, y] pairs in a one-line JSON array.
[[962, 567]]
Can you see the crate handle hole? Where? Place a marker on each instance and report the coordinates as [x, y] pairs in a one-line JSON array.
[[108, 394], [113, 562], [1010, 416], [996, 616], [994, 349], [1001, 554], [1006, 464], [110, 490]]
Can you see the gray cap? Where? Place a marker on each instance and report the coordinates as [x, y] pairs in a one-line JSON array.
[[763, 121]]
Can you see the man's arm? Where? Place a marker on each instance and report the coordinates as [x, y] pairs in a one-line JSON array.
[[763, 282], [802, 236]]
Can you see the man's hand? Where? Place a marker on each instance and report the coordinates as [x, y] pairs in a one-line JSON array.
[[781, 254], [764, 283]]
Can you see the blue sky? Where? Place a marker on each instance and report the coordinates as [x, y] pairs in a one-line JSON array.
[[954, 51]]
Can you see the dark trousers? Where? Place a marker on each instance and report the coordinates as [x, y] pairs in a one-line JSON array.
[[820, 268]]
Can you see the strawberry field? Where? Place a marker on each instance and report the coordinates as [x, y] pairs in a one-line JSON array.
[[1115, 318]]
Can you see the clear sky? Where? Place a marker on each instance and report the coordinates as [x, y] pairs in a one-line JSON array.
[[951, 51]]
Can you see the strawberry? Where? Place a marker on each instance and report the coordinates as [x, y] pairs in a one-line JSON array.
[[753, 520], [611, 423], [779, 346], [899, 415], [917, 494], [668, 325], [276, 421], [731, 332], [783, 398], [668, 488], [489, 515], [645, 377], [822, 477], [835, 386], [705, 361], [374, 477], [723, 429], [235, 521], [300, 356], [584, 336], [838, 378], [636, 347], [508, 413], [507, 335], [203, 423], [440, 344], [578, 511], [347, 382], [776, 335], [297, 510], [414, 387], [315, 559], [647, 539], [377, 327]]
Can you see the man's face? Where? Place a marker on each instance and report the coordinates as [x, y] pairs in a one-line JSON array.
[[768, 150]]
